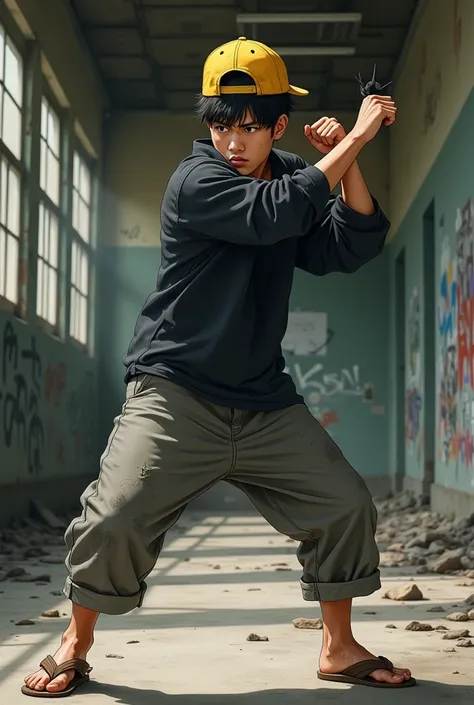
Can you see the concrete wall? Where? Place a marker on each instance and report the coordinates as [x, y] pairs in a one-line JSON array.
[[48, 385], [432, 88], [347, 387], [431, 156]]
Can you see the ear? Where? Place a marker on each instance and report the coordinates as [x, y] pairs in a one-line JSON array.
[[280, 127]]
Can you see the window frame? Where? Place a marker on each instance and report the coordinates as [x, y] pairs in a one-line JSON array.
[[12, 33], [59, 211]]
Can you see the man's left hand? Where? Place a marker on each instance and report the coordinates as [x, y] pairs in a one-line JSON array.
[[325, 134]]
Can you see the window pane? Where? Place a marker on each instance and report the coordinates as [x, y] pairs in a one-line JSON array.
[[11, 291], [3, 192], [84, 283], [3, 252], [44, 118], [1, 111], [52, 297], [13, 208], [52, 178], [44, 165], [83, 320], [85, 187], [39, 288], [72, 323], [84, 215], [53, 240], [75, 210], [53, 131], [73, 261], [13, 72], [41, 231], [2, 49], [11, 131], [77, 167]]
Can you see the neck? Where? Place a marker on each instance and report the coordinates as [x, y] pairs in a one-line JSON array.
[[263, 171]]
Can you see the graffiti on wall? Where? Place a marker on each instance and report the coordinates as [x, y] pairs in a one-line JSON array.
[[20, 397], [41, 419], [413, 398], [456, 343]]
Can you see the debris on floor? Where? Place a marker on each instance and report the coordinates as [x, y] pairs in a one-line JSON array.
[[406, 593], [303, 623], [256, 637]]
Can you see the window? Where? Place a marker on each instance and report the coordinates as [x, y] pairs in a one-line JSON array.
[[80, 249], [11, 98], [49, 215]]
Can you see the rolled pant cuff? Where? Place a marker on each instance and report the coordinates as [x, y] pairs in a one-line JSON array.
[[333, 592], [98, 602]]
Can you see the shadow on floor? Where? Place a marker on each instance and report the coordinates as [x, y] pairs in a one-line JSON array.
[[425, 692]]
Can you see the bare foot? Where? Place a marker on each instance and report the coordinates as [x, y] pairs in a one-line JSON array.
[[69, 648], [337, 660]]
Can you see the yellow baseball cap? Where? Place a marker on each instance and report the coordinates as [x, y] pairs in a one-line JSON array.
[[262, 64]]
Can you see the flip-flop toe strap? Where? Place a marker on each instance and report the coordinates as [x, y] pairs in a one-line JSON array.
[[74, 664], [364, 668], [49, 665]]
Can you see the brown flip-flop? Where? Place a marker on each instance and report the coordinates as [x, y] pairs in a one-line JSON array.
[[78, 665], [358, 674]]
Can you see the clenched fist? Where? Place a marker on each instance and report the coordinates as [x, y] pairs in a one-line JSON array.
[[324, 134], [375, 111]]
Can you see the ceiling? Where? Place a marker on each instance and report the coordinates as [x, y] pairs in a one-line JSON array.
[[150, 53]]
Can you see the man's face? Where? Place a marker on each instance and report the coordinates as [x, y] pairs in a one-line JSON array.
[[247, 145]]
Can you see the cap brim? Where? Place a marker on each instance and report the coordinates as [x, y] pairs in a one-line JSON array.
[[294, 90]]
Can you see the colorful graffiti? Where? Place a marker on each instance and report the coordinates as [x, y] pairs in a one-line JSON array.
[[456, 343]]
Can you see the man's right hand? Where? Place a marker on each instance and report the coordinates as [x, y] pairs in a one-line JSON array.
[[375, 111]]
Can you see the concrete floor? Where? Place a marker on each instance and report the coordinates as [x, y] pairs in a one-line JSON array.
[[193, 627]]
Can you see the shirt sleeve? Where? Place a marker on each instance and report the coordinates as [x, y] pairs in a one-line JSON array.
[[343, 241], [217, 202]]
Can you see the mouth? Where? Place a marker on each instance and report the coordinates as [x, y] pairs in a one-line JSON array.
[[238, 161]]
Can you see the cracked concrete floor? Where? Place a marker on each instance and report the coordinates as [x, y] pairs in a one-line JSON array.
[[192, 629]]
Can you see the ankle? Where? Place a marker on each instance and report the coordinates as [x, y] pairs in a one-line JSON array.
[[338, 645], [78, 642]]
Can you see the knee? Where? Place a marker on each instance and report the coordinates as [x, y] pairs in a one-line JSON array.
[[357, 500]]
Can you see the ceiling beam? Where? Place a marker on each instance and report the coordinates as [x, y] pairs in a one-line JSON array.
[[144, 30]]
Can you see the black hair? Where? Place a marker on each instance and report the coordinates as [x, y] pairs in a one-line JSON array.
[[230, 109]]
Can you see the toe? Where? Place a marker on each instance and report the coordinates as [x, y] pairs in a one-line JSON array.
[[59, 683]]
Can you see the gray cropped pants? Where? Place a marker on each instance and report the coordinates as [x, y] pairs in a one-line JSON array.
[[168, 446]]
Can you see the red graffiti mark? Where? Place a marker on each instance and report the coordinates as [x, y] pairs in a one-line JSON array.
[[55, 383], [328, 418]]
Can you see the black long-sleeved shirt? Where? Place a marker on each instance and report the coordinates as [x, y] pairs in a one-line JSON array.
[[230, 244]]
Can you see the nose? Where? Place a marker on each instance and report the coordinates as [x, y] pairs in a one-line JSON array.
[[235, 144]]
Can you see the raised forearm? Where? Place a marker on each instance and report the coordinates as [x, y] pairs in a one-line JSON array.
[[355, 193], [340, 159]]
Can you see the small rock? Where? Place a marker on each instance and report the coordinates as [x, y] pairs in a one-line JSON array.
[[282, 565], [113, 656], [458, 617], [24, 623], [448, 562], [256, 637], [469, 600], [471, 615], [50, 613], [56, 593], [254, 590], [307, 623], [370, 612], [418, 627], [282, 570], [460, 634], [470, 574], [216, 567], [34, 597], [133, 642], [423, 570], [441, 628], [405, 593], [450, 651], [15, 572], [32, 579], [436, 609], [465, 643], [390, 626]]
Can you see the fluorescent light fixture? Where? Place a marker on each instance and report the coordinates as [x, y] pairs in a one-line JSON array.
[[315, 51], [297, 17]]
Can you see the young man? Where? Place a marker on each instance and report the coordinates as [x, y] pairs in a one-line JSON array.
[[207, 396]]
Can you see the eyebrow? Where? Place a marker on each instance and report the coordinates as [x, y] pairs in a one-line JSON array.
[[249, 124]]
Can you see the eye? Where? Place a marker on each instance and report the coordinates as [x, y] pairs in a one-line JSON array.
[[249, 130], [221, 128]]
